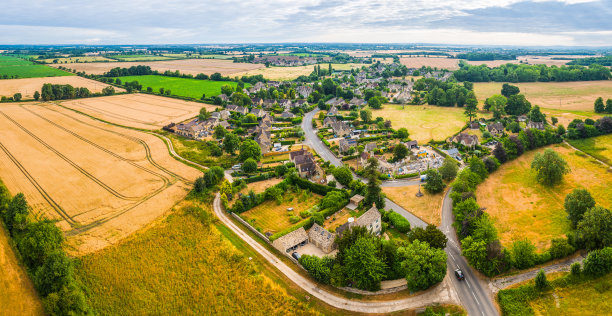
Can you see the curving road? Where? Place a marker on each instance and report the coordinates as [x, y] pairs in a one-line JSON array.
[[474, 292]]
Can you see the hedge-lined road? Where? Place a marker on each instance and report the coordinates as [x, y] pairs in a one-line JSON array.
[[473, 292]]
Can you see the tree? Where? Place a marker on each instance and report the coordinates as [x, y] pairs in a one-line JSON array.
[[491, 163], [423, 265], [577, 203], [549, 167], [17, 97], [16, 215], [595, 229], [204, 115], [477, 166], [365, 115], [609, 106], [343, 175], [431, 235], [517, 105], [373, 192], [219, 132], [399, 222], [227, 90], [318, 268], [449, 169], [554, 120], [500, 153], [249, 149], [230, 143], [471, 105], [434, 182], [400, 152], [484, 229], [535, 115], [540, 280], [109, 90], [402, 133], [363, 265], [250, 165], [333, 200], [599, 105], [523, 254], [54, 274], [36, 95], [496, 104], [509, 90], [560, 248], [375, 103], [38, 241]]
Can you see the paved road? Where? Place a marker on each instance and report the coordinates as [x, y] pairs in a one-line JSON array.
[[442, 293], [473, 293]]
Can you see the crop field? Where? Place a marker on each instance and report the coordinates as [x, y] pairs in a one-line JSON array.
[[185, 66], [438, 62], [491, 63], [546, 60], [523, 208], [17, 67], [138, 110], [573, 96], [427, 207], [184, 87], [80, 59], [99, 182], [186, 266], [290, 73], [272, 217], [139, 57], [27, 86], [599, 147], [424, 122], [18, 296]]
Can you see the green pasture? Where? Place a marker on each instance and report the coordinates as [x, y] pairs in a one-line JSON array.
[[13, 67], [184, 87]]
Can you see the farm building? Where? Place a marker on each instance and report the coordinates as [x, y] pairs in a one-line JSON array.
[[291, 241], [354, 201]]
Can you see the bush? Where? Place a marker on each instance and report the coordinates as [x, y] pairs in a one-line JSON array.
[[523, 254], [399, 222], [305, 213], [560, 248], [434, 182], [294, 219], [250, 165], [541, 282], [598, 262], [575, 268], [319, 268]]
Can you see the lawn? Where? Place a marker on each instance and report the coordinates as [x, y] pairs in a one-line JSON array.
[[567, 296], [577, 96], [186, 265], [271, 217], [290, 73], [523, 208], [424, 122], [426, 207], [598, 147], [14, 67], [185, 87]]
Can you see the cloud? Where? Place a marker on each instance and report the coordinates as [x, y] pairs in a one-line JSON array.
[[512, 22]]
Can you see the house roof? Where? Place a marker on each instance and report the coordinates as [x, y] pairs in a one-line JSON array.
[[321, 236], [368, 217], [497, 126], [293, 238], [356, 199]]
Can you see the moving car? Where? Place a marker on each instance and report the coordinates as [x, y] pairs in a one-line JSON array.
[[459, 275]]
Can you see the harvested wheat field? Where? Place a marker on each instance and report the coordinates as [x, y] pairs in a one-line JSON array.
[[28, 86], [523, 208], [439, 62], [290, 73], [573, 96], [99, 182], [185, 66], [18, 296], [427, 207], [138, 110]]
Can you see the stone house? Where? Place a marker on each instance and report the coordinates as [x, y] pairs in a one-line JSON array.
[[291, 241], [496, 129], [536, 125], [321, 238]]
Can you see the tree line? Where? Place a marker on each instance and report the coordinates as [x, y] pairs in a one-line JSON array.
[[531, 73], [141, 70], [65, 91], [486, 56], [445, 93], [39, 244]]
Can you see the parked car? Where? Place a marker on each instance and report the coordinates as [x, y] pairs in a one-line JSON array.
[[424, 178], [459, 275], [296, 256]]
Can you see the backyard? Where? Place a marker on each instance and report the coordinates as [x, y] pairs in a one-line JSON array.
[[272, 217], [426, 207], [523, 208]]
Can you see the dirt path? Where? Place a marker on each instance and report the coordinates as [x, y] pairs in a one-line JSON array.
[[498, 284]]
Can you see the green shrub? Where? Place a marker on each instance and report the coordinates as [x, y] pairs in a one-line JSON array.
[[575, 268], [399, 222], [541, 282], [598, 262], [560, 248], [304, 214], [294, 219]]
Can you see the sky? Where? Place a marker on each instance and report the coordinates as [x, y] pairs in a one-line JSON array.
[[467, 22]]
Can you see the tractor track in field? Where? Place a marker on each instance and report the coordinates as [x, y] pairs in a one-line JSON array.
[[131, 162], [56, 207], [132, 138], [72, 163]]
